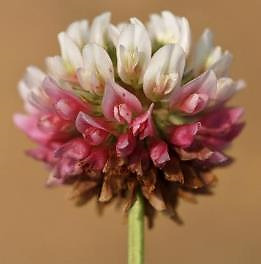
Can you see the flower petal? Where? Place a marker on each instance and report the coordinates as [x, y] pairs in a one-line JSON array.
[[159, 153], [164, 72], [76, 149], [193, 96], [97, 69], [226, 88], [220, 127], [133, 52], [65, 103], [70, 52], [194, 103], [31, 92], [97, 159], [185, 35], [125, 145], [99, 28], [55, 67], [202, 50], [220, 120], [93, 130], [170, 29], [221, 67], [184, 135], [143, 125], [113, 34], [114, 96], [28, 124], [78, 32]]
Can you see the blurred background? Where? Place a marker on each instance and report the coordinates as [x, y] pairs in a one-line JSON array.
[[42, 226]]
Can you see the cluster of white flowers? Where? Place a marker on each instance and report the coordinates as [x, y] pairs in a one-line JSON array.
[[155, 56]]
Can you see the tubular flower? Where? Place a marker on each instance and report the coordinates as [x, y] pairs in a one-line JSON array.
[[125, 108], [133, 52], [167, 28]]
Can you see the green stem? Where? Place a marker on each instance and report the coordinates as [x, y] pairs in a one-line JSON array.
[[136, 232]]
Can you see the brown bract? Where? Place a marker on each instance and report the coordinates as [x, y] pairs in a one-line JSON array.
[[161, 188]]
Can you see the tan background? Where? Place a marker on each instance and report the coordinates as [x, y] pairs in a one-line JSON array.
[[41, 226]]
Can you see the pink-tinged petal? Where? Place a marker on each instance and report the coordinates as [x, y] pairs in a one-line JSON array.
[[96, 160], [216, 159], [94, 131], [122, 113], [159, 153], [221, 120], [67, 168], [84, 119], [67, 109], [194, 103], [222, 140], [52, 89], [38, 153], [184, 135], [68, 160], [128, 98], [220, 127], [55, 92], [29, 125], [54, 124], [45, 153], [66, 103], [125, 145], [234, 131], [75, 149], [196, 92], [117, 103], [143, 124], [214, 142]]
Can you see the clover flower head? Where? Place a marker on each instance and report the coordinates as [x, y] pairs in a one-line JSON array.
[[132, 107]]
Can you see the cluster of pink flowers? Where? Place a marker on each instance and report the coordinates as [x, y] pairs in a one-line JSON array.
[[128, 107]]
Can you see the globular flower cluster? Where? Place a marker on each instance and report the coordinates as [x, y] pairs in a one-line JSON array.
[[131, 107]]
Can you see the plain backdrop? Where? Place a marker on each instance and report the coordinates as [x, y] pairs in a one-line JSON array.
[[42, 226]]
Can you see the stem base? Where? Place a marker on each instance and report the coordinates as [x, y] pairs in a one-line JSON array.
[[136, 232]]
